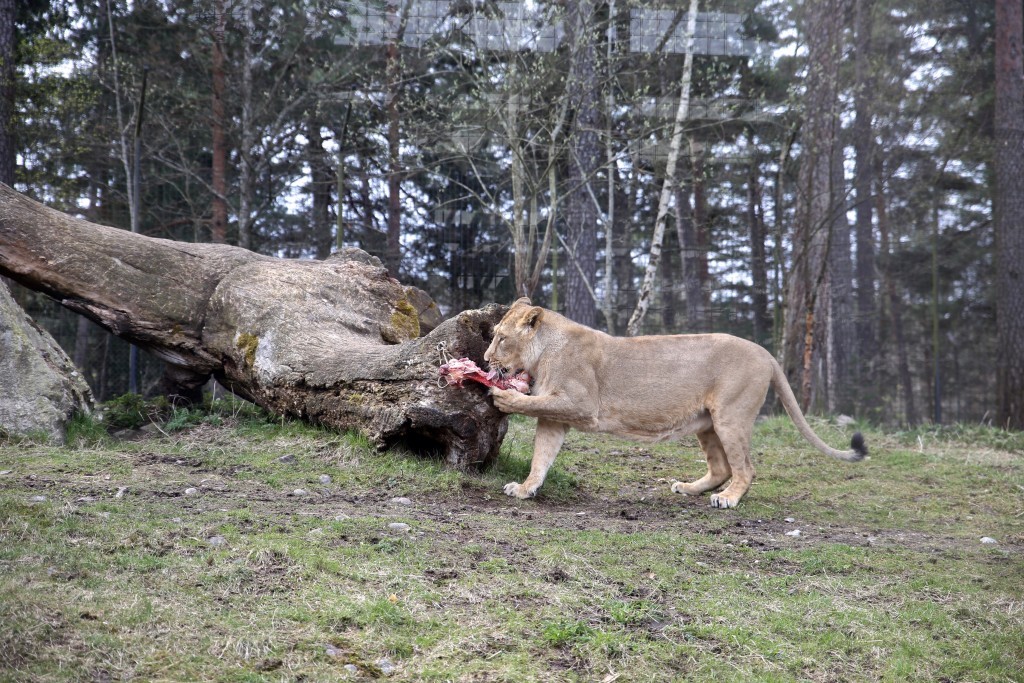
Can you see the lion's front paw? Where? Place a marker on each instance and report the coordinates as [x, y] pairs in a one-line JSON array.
[[517, 490], [503, 400]]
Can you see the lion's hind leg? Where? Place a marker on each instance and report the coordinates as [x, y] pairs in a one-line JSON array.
[[735, 439], [718, 466]]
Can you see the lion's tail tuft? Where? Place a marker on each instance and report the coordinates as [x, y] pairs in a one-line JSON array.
[[858, 445]]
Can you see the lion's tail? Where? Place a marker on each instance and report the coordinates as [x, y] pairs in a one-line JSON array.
[[858, 449]]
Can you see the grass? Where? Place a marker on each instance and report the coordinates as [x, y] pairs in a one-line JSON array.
[[605, 575]]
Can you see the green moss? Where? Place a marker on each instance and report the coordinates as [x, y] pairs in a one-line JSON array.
[[405, 319], [247, 344]]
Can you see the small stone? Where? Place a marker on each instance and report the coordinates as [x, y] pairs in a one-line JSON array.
[[85, 499], [399, 527], [192, 491], [299, 492], [401, 500], [218, 541], [386, 666], [176, 520], [38, 499], [845, 421], [795, 533], [789, 520], [287, 459], [325, 479], [4, 472], [988, 540], [352, 668], [332, 651], [341, 517], [120, 491]]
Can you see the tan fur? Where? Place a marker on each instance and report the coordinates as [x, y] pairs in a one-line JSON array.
[[648, 388]]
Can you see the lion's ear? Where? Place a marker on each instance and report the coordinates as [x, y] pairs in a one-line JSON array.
[[524, 300], [532, 317]]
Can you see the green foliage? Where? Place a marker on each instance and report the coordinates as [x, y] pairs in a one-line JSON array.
[[85, 430], [130, 411], [567, 632], [968, 435]]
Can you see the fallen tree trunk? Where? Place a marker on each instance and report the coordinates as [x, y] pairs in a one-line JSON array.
[[334, 342]]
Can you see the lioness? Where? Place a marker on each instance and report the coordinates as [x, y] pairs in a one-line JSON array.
[[648, 388]]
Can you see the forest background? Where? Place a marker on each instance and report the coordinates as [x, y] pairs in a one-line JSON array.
[[836, 180]]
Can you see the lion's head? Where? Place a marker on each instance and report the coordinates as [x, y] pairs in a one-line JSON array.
[[512, 348]]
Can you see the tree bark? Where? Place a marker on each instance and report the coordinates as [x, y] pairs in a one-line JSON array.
[[247, 176], [866, 353], [758, 257], [841, 332], [218, 172], [332, 342], [816, 197], [895, 307], [697, 277], [584, 152], [689, 259], [321, 181], [1009, 209], [8, 15]]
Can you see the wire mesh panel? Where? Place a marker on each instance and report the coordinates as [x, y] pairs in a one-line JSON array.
[[504, 27], [664, 30]]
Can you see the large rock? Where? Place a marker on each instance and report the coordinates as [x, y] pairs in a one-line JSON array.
[[40, 389]]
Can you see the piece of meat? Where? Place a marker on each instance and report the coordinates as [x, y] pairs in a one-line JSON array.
[[455, 372]]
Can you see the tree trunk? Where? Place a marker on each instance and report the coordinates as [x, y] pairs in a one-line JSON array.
[[1009, 210], [895, 309], [321, 180], [669, 183], [218, 174], [697, 248], [583, 163], [393, 253], [863, 143], [841, 334], [332, 342], [689, 258], [8, 15], [758, 260], [816, 200], [669, 281], [247, 176]]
